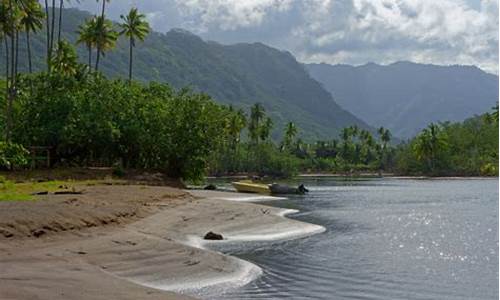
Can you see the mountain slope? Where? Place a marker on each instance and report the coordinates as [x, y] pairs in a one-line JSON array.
[[240, 74], [404, 96]]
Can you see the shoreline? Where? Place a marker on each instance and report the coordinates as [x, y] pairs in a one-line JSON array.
[[149, 257]]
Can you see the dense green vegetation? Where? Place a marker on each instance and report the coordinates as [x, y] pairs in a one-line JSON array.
[[406, 96], [468, 148], [238, 75], [87, 119]]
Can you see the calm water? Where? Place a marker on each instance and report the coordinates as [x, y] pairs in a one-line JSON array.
[[385, 239]]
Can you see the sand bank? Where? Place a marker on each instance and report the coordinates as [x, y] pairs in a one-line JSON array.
[[158, 250]]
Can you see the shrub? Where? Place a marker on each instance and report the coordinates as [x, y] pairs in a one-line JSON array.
[[12, 155]]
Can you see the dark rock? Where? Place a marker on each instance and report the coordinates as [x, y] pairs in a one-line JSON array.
[[213, 236], [38, 232], [68, 193], [40, 193], [210, 187]]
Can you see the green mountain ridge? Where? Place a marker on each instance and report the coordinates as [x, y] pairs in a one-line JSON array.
[[406, 96], [240, 75]]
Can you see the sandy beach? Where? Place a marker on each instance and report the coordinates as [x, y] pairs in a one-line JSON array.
[[132, 242]]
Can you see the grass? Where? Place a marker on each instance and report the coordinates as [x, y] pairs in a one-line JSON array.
[[10, 191]]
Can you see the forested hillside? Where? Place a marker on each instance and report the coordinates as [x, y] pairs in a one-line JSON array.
[[240, 75], [405, 97]]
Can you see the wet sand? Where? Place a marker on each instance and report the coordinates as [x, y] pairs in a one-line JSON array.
[[154, 251]]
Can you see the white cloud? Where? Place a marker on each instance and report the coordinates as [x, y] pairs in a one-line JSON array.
[[230, 14], [343, 31]]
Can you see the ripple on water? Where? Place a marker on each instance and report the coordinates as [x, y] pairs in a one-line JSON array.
[[385, 239]]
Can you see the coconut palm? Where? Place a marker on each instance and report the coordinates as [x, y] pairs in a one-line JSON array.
[[32, 21], [257, 113], [87, 35], [265, 129], [105, 37], [59, 26], [236, 123], [134, 27], [65, 60], [428, 144], [98, 45], [290, 134], [385, 136], [10, 19]]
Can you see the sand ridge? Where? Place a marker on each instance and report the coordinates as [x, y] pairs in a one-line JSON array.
[[144, 259]]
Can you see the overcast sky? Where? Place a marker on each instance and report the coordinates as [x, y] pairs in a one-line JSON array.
[[338, 31]]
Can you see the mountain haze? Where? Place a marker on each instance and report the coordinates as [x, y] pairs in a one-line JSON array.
[[240, 75], [405, 96]]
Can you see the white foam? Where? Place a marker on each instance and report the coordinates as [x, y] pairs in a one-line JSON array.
[[258, 198], [245, 272]]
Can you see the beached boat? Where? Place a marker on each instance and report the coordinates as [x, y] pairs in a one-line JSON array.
[[247, 186]]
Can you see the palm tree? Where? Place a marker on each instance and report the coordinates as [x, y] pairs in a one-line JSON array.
[[385, 136], [99, 46], [10, 17], [87, 35], [32, 22], [105, 37], [236, 123], [61, 6], [265, 129], [257, 113], [47, 25], [290, 133], [134, 27], [428, 144], [65, 60]]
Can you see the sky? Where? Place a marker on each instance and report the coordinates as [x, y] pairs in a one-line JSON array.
[[443, 32]]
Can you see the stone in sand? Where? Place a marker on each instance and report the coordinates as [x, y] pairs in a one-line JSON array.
[[213, 236]]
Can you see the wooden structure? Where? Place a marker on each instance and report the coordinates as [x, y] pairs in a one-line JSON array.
[[40, 154]]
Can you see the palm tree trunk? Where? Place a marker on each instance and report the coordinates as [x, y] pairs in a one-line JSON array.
[[28, 47], [60, 20], [97, 58], [7, 86], [103, 8], [53, 23], [16, 63], [130, 61], [10, 98], [98, 43], [7, 61], [47, 23], [90, 57]]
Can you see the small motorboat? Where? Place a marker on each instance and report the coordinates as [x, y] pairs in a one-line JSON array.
[[285, 189], [247, 186]]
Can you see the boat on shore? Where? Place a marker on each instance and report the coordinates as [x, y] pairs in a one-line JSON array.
[[247, 186]]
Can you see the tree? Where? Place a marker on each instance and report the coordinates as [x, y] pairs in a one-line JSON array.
[[265, 129], [290, 134], [59, 27], [87, 35], [236, 123], [101, 35], [257, 113], [10, 18], [134, 27], [105, 37], [428, 144], [385, 136], [65, 60], [32, 21]]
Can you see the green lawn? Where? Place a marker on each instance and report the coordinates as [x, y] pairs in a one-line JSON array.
[[10, 191]]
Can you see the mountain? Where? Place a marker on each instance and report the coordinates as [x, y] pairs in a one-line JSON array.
[[405, 96], [240, 75]]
